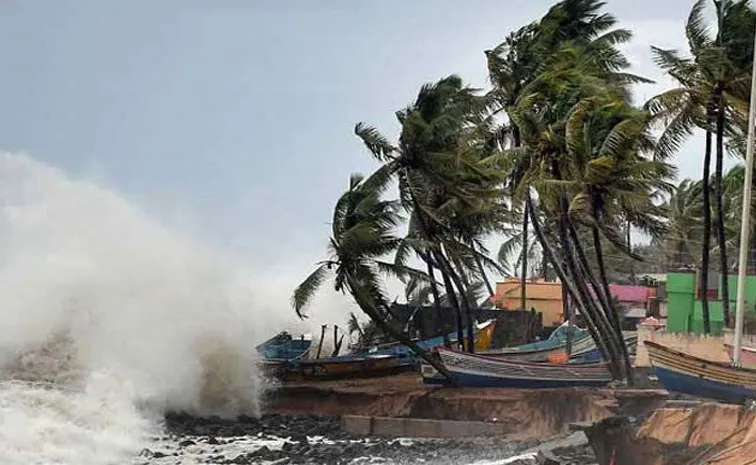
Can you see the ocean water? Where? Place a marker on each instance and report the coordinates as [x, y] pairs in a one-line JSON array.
[[108, 318]]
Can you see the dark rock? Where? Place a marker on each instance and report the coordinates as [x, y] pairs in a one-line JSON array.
[[186, 443]]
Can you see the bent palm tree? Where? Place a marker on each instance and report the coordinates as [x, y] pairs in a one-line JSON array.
[[362, 233]]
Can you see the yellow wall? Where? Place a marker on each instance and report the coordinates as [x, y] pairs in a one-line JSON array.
[[546, 298]]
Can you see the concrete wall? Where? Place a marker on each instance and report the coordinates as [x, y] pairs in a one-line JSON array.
[[709, 347]]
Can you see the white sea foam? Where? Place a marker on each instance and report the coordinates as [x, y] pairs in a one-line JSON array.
[[115, 311]]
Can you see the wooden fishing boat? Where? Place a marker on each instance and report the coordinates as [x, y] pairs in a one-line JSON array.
[[469, 370], [278, 351], [584, 350], [583, 345], [347, 366], [483, 337], [687, 374], [283, 346], [747, 355]]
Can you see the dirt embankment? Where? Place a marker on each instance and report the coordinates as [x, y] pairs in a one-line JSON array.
[[529, 413], [709, 434]]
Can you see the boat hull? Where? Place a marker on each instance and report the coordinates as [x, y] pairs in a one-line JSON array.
[[347, 368], [701, 387], [680, 372], [468, 370]]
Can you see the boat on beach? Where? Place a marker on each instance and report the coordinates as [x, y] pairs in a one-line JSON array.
[[283, 346], [687, 374], [279, 350], [471, 370], [382, 361], [584, 349], [347, 367]]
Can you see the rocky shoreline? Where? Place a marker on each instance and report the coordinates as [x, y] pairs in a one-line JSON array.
[[309, 439]]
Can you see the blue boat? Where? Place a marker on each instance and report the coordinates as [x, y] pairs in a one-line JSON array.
[[470, 370], [283, 347], [680, 372], [557, 338]]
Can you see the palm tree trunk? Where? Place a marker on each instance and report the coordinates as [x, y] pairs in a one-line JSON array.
[[544, 260], [440, 262], [524, 273], [551, 256], [703, 285], [720, 220], [615, 315], [481, 270], [371, 310], [436, 298], [465, 304], [581, 277], [452, 295], [602, 292], [589, 304]]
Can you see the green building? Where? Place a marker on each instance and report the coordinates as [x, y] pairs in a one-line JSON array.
[[684, 312]]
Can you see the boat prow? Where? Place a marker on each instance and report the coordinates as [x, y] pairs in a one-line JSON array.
[[687, 374]]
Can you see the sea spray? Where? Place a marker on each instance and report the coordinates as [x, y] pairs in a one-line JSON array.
[[116, 315], [98, 425]]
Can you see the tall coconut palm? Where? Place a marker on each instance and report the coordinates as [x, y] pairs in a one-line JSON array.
[[362, 234], [611, 180], [511, 67], [579, 60], [713, 89]]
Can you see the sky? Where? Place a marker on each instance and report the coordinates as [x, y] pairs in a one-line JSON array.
[[239, 113]]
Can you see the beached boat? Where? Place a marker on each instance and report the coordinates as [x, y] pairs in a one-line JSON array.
[[680, 372], [584, 349], [483, 337], [347, 366], [283, 346], [544, 354], [747, 355], [469, 370], [278, 351]]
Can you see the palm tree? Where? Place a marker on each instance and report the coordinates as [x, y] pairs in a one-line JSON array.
[[362, 234], [612, 181], [511, 67], [713, 90], [451, 203], [684, 224], [578, 60]]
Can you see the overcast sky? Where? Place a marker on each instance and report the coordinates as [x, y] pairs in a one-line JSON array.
[[241, 111]]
